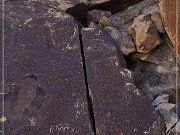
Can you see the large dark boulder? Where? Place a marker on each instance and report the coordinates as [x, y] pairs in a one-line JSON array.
[[119, 107], [44, 80], [62, 82]]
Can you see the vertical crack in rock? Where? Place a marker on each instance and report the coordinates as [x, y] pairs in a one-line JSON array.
[[89, 98]]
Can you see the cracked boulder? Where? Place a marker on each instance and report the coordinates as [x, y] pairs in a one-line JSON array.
[[119, 106], [45, 90]]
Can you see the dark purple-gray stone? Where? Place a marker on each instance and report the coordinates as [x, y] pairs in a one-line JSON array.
[[44, 78], [119, 107]]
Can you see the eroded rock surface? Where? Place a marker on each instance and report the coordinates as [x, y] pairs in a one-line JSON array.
[[44, 77], [119, 107]]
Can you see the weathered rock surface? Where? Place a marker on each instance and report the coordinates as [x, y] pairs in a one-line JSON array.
[[167, 115], [119, 107], [44, 78], [144, 33], [170, 14], [156, 72], [63, 4], [123, 38]]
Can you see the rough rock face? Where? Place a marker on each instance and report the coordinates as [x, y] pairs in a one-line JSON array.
[[60, 81], [144, 33], [125, 16], [169, 18], [123, 38], [44, 79], [117, 110], [156, 71]]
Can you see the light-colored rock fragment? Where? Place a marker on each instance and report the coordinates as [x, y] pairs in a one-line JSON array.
[[164, 98], [104, 22], [166, 106], [167, 115], [151, 9], [175, 130], [144, 34], [97, 1], [3, 119]]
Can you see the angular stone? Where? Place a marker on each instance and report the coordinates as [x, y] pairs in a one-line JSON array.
[[95, 15], [44, 77], [119, 107], [175, 130], [153, 8], [144, 33], [164, 98], [104, 22], [168, 115], [156, 18], [124, 40]]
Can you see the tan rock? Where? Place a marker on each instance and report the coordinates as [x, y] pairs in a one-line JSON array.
[[144, 34], [156, 18], [104, 22], [97, 1]]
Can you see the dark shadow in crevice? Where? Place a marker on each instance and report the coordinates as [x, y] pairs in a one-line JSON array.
[[114, 6], [79, 12]]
